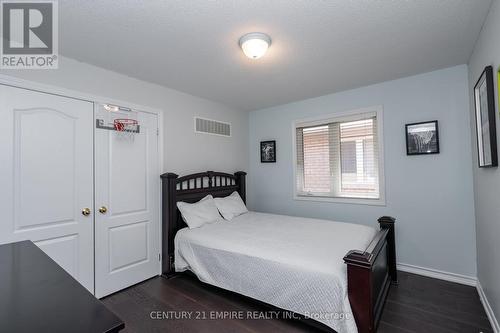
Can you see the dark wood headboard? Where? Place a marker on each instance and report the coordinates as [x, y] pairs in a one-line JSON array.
[[191, 188]]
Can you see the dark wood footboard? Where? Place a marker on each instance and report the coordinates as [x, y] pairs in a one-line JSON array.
[[369, 276]]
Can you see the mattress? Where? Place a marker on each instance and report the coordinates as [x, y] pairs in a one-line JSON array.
[[290, 262]]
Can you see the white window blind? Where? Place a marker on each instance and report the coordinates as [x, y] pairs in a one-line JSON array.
[[339, 158]]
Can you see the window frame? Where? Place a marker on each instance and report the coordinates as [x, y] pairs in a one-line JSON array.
[[342, 117]]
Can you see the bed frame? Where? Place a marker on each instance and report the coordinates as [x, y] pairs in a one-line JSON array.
[[369, 272]]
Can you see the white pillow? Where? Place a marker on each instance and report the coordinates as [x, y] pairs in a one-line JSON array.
[[197, 214], [231, 206]]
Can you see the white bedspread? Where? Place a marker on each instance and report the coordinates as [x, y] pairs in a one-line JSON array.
[[292, 263]]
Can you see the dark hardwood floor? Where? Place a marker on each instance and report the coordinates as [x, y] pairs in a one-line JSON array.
[[417, 304]]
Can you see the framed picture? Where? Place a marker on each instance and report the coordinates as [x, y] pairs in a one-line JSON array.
[[422, 138], [268, 151], [484, 102], [498, 86]]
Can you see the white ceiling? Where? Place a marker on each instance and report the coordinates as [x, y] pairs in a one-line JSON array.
[[319, 46]]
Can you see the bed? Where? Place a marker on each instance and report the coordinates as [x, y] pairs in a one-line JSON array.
[[336, 273]]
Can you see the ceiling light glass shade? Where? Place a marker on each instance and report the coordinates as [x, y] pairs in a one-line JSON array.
[[255, 44]]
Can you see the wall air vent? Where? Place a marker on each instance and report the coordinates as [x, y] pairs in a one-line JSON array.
[[208, 126]]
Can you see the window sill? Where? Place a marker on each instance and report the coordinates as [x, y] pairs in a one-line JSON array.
[[353, 201]]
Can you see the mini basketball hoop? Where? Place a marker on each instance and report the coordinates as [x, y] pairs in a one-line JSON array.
[[126, 127], [122, 121]]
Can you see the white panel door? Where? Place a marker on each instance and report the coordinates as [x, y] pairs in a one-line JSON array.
[[46, 177], [127, 183]]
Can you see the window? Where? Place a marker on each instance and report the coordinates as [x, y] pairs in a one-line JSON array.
[[339, 158]]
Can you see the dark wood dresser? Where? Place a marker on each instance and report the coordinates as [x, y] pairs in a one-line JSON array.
[[37, 295]]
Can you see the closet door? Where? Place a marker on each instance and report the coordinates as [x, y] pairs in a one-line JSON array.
[[127, 225], [46, 177]]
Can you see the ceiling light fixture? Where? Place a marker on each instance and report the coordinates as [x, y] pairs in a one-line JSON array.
[[255, 44]]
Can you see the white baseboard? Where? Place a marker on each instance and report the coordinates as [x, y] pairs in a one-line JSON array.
[[437, 274], [488, 309]]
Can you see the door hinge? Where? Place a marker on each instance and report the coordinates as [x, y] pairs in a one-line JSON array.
[[157, 131], [159, 256]]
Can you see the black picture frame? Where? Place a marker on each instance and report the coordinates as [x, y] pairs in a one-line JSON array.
[[268, 151], [417, 144], [486, 135]]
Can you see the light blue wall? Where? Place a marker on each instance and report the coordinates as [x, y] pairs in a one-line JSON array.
[[487, 181], [431, 196]]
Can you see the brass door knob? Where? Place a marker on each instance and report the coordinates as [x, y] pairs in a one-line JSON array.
[[103, 210], [86, 211]]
